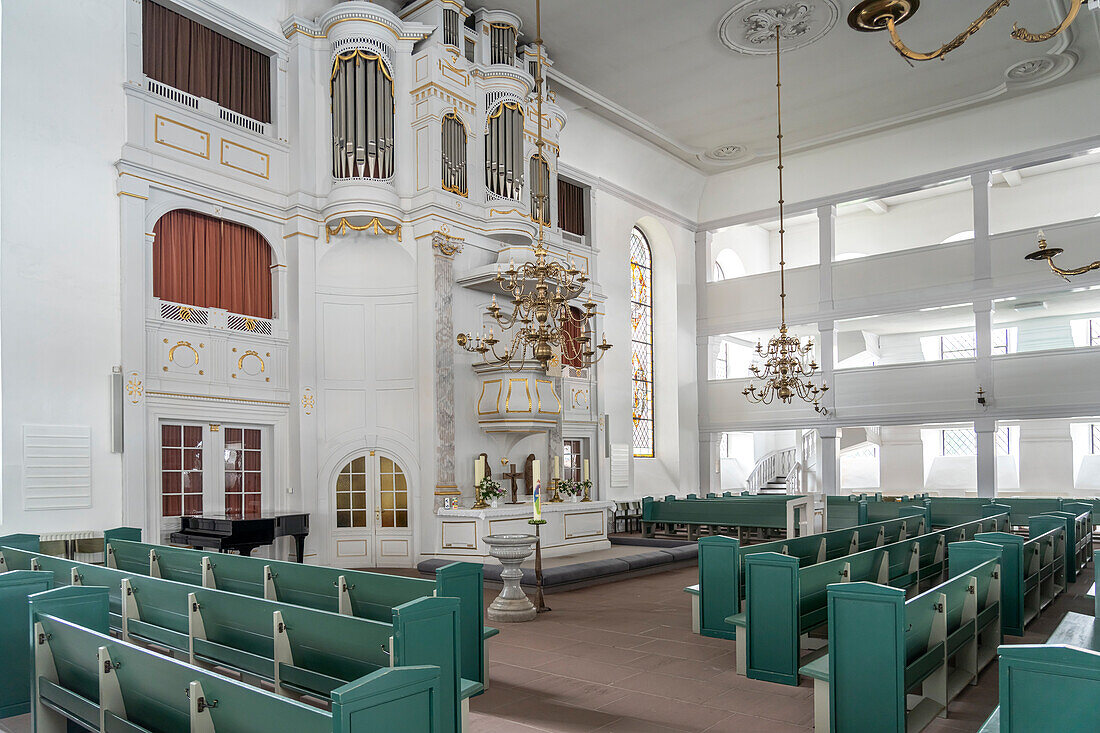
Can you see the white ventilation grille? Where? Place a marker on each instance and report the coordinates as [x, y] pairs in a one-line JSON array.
[[235, 118], [180, 97], [57, 467], [247, 323], [621, 456]]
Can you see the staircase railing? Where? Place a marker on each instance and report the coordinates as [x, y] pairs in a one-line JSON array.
[[775, 465]]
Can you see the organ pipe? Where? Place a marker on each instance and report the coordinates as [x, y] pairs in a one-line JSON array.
[[504, 151], [502, 44], [362, 116], [454, 154]]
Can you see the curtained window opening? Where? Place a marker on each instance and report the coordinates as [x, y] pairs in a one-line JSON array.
[[570, 207], [211, 263], [573, 345], [188, 56]]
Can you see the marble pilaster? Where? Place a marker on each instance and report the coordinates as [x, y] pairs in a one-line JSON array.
[[444, 249]]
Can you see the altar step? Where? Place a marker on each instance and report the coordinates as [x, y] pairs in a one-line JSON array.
[[628, 557]]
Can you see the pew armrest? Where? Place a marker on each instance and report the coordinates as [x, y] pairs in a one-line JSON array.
[[488, 632]]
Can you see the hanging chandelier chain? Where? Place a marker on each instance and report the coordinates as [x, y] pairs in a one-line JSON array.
[[787, 365]]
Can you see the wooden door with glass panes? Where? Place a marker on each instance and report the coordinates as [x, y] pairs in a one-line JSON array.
[[211, 469], [373, 526]]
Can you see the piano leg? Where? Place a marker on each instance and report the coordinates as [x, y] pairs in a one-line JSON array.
[[300, 544]]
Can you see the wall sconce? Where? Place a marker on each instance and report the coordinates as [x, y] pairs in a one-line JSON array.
[[981, 396]]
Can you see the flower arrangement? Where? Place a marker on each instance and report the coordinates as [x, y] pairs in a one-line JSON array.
[[569, 488], [489, 490], [585, 486]]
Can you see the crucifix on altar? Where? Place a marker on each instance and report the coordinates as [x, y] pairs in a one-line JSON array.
[[512, 474]]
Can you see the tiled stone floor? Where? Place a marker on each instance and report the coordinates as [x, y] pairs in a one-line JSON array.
[[621, 658]]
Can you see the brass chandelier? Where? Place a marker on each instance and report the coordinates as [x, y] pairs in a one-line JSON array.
[[788, 365], [540, 290], [885, 15]]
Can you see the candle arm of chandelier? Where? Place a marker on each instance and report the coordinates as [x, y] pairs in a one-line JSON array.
[[1073, 271], [951, 45], [1022, 34]]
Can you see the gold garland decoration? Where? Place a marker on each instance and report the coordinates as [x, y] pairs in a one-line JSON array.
[[366, 56], [374, 225], [510, 105]]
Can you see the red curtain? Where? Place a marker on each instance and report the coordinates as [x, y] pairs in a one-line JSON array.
[[208, 262], [188, 56], [572, 348]]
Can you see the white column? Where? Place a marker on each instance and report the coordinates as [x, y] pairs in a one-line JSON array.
[[828, 460], [983, 268], [710, 463], [704, 359], [826, 242], [986, 429], [983, 350], [826, 344]]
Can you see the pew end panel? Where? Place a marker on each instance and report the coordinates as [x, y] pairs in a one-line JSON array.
[[719, 585], [867, 654], [1047, 687], [426, 632], [1008, 550], [466, 582], [403, 698], [15, 587], [772, 618]]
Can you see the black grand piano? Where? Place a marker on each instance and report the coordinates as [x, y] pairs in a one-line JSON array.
[[227, 532]]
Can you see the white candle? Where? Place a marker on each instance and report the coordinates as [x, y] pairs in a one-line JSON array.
[[557, 468], [585, 469], [479, 470]]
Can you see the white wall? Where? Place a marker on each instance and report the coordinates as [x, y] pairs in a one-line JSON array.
[[61, 131]]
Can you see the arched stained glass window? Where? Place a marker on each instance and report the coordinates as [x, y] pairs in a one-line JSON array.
[[641, 346]]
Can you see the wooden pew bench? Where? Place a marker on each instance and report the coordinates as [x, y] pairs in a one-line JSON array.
[[349, 592], [83, 675], [1053, 686], [896, 664], [1032, 570], [299, 650], [792, 600], [721, 587]]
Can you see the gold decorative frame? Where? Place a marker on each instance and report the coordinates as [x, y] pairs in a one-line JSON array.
[[508, 399]]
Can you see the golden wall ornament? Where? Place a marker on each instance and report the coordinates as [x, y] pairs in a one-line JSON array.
[[785, 370], [447, 245], [1043, 253], [885, 15], [374, 225]]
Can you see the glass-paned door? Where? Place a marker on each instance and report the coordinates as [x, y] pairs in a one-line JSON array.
[[373, 526], [209, 469]]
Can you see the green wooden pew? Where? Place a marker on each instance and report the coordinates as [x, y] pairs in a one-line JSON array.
[[351, 592], [722, 570], [792, 599], [15, 586], [1032, 570], [766, 512], [895, 664], [85, 679], [301, 651]]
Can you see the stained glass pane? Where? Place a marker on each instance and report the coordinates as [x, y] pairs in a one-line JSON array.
[[641, 322]]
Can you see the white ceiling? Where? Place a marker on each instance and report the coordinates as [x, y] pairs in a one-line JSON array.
[[659, 69]]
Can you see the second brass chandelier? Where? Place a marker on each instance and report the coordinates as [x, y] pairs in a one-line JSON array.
[[540, 291], [788, 366]]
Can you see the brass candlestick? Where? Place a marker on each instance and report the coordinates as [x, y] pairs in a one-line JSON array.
[[587, 496], [554, 499]]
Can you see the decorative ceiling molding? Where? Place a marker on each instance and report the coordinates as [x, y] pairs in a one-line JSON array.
[[749, 28]]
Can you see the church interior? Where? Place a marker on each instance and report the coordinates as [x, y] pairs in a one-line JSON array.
[[545, 366]]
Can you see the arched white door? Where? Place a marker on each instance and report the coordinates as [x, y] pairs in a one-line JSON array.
[[373, 526]]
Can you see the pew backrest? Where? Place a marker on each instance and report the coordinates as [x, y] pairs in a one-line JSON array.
[[117, 686], [351, 592]]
